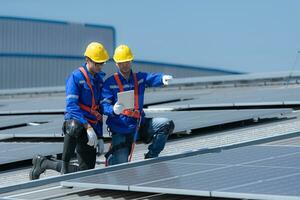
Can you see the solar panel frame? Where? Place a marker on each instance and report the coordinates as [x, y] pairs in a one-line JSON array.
[[211, 180]]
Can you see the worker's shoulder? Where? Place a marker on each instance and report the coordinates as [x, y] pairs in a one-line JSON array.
[[109, 79], [76, 76], [77, 73], [141, 74]]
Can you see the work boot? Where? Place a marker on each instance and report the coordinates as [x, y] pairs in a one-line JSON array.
[[149, 155], [37, 168], [146, 155], [65, 168]]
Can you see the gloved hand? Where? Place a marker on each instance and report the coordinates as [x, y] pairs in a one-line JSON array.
[[92, 137], [166, 79], [118, 108], [100, 147]]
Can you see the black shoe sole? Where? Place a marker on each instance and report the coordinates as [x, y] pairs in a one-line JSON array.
[[34, 160], [33, 169]]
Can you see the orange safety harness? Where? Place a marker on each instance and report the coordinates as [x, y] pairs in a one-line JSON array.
[[129, 112], [94, 109]]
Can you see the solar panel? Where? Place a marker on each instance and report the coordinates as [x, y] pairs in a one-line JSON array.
[[12, 152], [237, 97], [286, 186], [33, 104], [53, 128], [198, 98], [222, 173], [215, 180], [185, 121], [57, 103], [23, 120], [241, 155]]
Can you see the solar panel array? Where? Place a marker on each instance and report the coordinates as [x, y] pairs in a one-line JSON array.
[[19, 120], [33, 104], [237, 97], [12, 152], [185, 121], [31, 126], [49, 126], [255, 172], [181, 99]]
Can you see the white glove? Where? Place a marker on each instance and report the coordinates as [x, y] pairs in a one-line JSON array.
[[118, 108], [100, 147], [92, 137], [166, 79]]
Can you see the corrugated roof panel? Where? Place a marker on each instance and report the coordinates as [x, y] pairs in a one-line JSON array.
[[51, 37]]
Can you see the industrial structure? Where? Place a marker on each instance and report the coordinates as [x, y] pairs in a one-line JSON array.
[[41, 53]]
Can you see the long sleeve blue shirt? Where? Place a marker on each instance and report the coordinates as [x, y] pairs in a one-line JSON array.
[[120, 123], [78, 91]]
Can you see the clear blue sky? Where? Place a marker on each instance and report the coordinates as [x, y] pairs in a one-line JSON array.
[[240, 35]]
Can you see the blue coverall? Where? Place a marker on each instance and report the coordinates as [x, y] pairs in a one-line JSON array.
[[78, 91], [154, 130]]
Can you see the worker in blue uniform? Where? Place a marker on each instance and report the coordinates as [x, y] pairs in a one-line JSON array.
[[82, 127], [124, 123]]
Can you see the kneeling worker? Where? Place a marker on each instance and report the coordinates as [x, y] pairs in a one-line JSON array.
[[83, 120], [124, 123]]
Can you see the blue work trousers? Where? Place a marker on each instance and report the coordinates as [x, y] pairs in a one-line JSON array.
[[154, 131]]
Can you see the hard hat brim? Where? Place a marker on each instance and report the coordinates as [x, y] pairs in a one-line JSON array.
[[121, 61]]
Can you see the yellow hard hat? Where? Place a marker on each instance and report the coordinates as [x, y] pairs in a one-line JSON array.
[[96, 52], [123, 54]]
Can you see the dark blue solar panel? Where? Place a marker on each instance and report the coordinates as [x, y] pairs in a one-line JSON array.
[[13, 152], [240, 155], [227, 173], [285, 186], [288, 161], [145, 173], [227, 177]]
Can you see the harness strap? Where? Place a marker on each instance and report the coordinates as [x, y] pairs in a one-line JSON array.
[[128, 112], [129, 142], [94, 108]]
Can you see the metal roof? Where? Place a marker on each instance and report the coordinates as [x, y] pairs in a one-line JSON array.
[[279, 129]]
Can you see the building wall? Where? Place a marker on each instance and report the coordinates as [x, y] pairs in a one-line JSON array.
[[40, 37], [41, 53]]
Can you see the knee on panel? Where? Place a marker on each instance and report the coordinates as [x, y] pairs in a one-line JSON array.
[[168, 127], [73, 128]]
